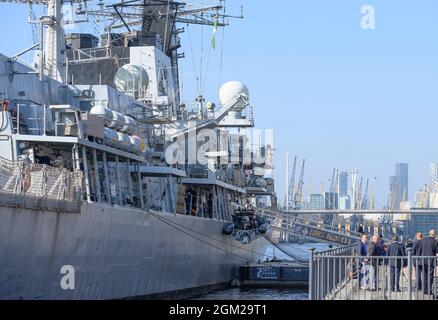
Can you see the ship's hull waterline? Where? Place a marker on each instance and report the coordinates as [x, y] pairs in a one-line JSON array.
[[115, 253]]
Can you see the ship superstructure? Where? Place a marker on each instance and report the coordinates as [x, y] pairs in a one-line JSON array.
[[105, 169]]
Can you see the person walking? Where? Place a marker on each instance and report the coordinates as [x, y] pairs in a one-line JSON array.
[[361, 252], [416, 252], [429, 248], [396, 249]]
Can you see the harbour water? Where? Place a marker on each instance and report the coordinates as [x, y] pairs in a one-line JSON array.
[[283, 293], [256, 294]]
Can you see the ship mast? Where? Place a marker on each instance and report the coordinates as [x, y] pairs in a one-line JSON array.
[[52, 55], [54, 51]]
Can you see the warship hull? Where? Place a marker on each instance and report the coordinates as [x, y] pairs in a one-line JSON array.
[[115, 253]]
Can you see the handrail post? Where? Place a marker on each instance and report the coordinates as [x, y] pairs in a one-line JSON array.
[[311, 297], [409, 250], [18, 119]]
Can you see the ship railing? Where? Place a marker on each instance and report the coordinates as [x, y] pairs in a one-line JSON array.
[[340, 274], [35, 124], [248, 114], [92, 54], [24, 184]]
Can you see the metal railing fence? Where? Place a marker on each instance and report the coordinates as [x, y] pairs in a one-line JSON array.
[[339, 274], [34, 186], [320, 268]]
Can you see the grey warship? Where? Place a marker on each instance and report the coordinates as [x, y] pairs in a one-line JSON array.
[[99, 166]]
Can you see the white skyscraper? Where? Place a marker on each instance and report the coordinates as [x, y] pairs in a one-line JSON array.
[[433, 176]]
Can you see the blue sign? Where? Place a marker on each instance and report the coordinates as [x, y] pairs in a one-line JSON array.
[[267, 273]]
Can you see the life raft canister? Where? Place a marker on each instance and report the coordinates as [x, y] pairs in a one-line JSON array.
[[26, 179], [5, 105]]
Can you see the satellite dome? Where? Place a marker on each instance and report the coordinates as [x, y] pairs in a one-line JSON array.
[[230, 89], [132, 80]]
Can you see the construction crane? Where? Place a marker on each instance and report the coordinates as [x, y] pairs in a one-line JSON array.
[[292, 186], [365, 196], [334, 217], [328, 217], [298, 198], [333, 182], [353, 187]]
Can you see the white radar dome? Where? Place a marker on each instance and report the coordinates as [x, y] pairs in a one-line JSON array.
[[231, 89], [132, 80]]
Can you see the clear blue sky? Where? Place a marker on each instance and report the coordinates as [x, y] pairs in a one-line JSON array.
[[335, 94]]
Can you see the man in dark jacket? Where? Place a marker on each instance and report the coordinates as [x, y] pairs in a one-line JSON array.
[[381, 246], [396, 249], [361, 251], [416, 252], [429, 248], [373, 251]]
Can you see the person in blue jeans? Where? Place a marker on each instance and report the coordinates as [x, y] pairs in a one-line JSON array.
[[361, 252]]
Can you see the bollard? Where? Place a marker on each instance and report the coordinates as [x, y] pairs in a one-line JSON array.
[[409, 250], [311, 274]]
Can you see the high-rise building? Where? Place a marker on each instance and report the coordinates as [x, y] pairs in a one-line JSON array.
[[343, 183], [331, 200], [394, 187], [353, 188], [344, 203], [401, 171], [398, 186], [433, 177], [316, 201]]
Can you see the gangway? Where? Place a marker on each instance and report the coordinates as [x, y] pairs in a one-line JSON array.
[[306, 228]]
